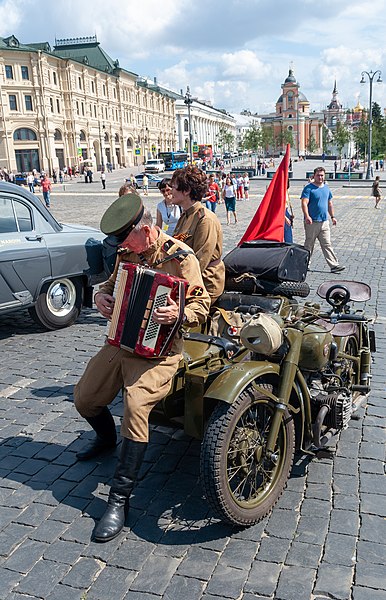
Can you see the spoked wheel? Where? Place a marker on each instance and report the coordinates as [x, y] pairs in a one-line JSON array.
[[241, 482]]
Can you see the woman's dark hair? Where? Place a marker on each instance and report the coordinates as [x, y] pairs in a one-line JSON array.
[[162, 184], [191, 179]]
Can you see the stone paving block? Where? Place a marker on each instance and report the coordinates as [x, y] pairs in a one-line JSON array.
[[374, 434], [7, 515], [295, 583], [348, 449], [334, 580], [319, 472], [82, 574], [282, 523], [368, 465], [374, 504], [345, 502], [372, 553], [373, 483], [199, 563], [372, 450], [239, 554], [340, 549], [303, 554], [132, 554], [34, 514], [345, 484], [63, 552], [183, 587], [320, 491], [311, 530], [364, 593], [370, 575], [12, 536], [344, 521], [227, 582], [132, 595], [110, 582], [273, 549], [80, 530], [155, 575], [290, 500], [262, 578], [346, 466], [373, 529], [42, 579], [102, 552], [315, 506], [70, 509], [48, 531], [25, 556], [9, 579]]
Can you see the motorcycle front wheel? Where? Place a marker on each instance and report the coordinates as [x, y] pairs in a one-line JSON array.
[[241, 482]]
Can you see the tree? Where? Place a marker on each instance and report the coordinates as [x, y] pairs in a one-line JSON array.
[[267, 138], [312, 146], [253, 138], [225, 138], [341, 137]]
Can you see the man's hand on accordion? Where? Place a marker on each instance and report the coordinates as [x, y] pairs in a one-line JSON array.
[[105, 304], [166, 315]]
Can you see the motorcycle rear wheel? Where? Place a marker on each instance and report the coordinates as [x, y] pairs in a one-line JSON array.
[[240, 482]]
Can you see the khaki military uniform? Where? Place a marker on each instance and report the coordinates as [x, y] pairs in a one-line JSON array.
[[145, 381], [200, 229]]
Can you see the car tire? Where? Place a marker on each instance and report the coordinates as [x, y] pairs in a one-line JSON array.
[[58, 304]]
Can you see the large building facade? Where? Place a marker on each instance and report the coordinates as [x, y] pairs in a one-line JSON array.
[[64, 105]]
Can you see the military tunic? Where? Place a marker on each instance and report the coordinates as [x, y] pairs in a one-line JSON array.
[[200, 229], [145, 381]]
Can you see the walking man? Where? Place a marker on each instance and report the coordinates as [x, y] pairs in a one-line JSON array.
[[317, 205], [103, 180], [46, 189]]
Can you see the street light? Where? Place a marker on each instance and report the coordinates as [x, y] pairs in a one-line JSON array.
[[188, 100], [371, 76]]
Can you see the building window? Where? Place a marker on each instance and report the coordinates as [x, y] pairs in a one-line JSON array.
[[186, 125], [92, 87], [24, 134], [24, 72], [52, 104], [54, 78], [28, 102], [82, 105], [82, 136], [104, 90], [77, 107], [58, 135], [8, 72], [80, 82], [58, 105], [290, 116], [12, 102], [95, 111]]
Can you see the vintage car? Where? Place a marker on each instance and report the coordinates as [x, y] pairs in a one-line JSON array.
[[45, 266]]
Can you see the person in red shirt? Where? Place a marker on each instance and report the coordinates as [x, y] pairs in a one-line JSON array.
[[213, 195], [46, 188]]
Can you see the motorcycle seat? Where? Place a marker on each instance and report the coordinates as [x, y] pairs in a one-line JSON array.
[[359, 292], [339, 329]]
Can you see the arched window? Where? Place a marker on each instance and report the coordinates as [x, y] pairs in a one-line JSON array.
[[117, 138], [186, 125], [24, 134], [58, 135], [107, 139], [82, 136], [129, 143], [290, 116], [290, 128]]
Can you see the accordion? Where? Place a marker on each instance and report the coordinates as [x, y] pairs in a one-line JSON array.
[[138, 292]]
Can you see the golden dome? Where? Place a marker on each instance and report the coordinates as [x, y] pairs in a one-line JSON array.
[[358, 107]]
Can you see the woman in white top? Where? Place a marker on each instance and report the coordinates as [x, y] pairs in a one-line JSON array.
[[228, 194], [167, 212]]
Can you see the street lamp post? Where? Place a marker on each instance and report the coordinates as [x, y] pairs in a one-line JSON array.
[[189, 101], [371, 76]]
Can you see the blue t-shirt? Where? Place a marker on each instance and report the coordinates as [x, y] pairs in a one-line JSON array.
[[318, 198]]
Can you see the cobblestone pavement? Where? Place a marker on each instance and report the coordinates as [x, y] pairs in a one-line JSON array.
[[326, 537]]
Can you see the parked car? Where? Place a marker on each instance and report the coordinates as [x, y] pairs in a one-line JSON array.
[[227, 155], [45, 266], [155, 165], [21, 178], [153, 180]]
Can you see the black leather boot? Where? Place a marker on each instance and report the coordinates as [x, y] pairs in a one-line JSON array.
[[106, 436], [129, 463]]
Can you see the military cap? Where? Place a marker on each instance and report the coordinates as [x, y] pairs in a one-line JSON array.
[[122, 216]]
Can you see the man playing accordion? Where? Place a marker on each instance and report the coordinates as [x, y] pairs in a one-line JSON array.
[[145, 381]]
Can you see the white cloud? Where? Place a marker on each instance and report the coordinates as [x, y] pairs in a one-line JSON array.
[[243, 64]]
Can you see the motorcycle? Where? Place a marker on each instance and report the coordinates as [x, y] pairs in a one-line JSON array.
[[278, 376]]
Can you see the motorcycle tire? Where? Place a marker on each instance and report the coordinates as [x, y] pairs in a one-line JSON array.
[[240, 483], [265, 287]]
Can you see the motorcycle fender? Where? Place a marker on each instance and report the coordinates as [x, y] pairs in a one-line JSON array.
[[230, 383]]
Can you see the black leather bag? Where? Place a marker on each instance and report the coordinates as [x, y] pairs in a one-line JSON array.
[[274, 261]]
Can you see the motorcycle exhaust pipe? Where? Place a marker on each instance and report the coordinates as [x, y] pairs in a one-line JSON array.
[[361, 388]]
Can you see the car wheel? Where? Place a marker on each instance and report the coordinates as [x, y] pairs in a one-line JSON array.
[[58, 304]]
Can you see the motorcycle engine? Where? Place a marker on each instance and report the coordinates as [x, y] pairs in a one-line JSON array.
[[339, 405]]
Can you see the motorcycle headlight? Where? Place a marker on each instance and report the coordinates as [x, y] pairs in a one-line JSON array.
[[262, 334]]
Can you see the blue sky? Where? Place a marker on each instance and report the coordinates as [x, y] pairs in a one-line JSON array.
[[235, 53]]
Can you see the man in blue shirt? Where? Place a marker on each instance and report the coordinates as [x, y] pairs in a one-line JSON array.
[[317, 204]]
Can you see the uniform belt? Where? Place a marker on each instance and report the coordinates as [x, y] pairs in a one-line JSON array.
[[214, 263]]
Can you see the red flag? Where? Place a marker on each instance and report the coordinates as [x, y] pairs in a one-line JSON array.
[[268, 221]]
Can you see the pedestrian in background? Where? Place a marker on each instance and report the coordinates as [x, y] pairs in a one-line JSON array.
[[46, 189], [103, 180], [288, 219], [145, 184], [213, 195], [376, 192], [246, 186], [168, 213], [317, 205], [229, 196], [31, 184]]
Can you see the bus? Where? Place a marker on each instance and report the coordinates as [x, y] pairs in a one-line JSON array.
[[174, 160]]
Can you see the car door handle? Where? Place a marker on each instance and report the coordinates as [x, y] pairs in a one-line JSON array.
[[34, 238]]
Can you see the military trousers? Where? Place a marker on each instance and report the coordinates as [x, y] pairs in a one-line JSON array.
[[320, 230], [145, 382]]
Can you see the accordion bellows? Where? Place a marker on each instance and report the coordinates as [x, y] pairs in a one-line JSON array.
[[138, 292]]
